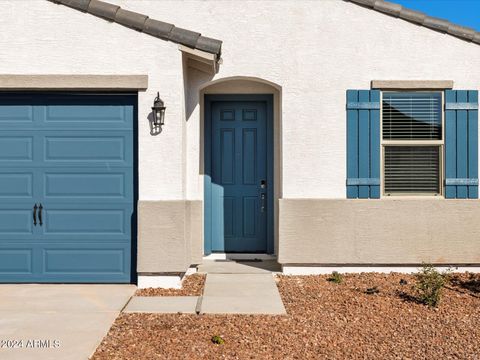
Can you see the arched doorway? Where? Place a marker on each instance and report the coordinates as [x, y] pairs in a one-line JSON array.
[[241, 153]]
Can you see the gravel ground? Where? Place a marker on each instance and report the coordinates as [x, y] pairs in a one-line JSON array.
[[325, 320], [192, 285]]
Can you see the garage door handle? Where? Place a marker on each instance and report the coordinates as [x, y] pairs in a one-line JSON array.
[[35, 215], [40, 208]]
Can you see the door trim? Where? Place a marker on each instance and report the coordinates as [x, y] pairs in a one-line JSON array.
[[208, 99]]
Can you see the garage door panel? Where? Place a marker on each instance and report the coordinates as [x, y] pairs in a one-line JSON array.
[[86, 221], [94, 112], [16, 261], [78, 184], [16, 148], [13, 115], [88, 148], [84, 260], [15, 184], [15, 222], [84, 148], [86, 114]]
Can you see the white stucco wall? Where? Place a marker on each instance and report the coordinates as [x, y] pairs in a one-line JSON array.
[[313, 50]]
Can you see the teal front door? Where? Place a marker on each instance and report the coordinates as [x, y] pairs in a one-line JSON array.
[[240, 182], [66, 187]]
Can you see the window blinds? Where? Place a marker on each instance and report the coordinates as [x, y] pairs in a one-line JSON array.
[[412, 116], [412, 169]]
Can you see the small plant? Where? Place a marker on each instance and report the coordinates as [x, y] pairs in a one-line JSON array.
[[336, 277], [216, 339], [430, 283]]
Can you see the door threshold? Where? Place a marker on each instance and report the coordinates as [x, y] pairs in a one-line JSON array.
[[239, 256]]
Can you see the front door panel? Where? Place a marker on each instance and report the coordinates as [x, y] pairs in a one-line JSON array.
[[239, 167]]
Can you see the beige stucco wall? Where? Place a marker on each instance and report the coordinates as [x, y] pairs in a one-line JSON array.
[[169, 234], [404, 231]]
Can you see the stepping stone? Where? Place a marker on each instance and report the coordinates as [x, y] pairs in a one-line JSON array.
[[162, 304], [241, 294]]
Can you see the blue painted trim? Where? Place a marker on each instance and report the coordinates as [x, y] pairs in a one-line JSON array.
[[450, 144], [461, 181], [208, 99], [363, 144], [352, 144], [364, 105], [363, 181], [473, 144], [461, 144], [461, 106], [375, 145]]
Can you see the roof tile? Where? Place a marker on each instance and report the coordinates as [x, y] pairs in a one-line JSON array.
[[103, 9], [184, 37], [387, 7], [208, 44], [131, 19], [461, 31], [76, 4], [476, 38], [436, 23], [416, 17], [158, 28]]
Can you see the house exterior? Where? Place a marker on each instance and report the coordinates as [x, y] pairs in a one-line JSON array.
[[328, 133]]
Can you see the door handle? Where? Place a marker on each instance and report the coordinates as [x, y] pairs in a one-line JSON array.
[[262, 205], [40, 208], [35, 215]]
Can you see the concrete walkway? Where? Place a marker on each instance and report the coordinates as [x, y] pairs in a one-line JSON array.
[[241, 294], [51, 322], [231, 287]]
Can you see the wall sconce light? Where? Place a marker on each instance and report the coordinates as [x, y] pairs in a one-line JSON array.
[[158, 110]]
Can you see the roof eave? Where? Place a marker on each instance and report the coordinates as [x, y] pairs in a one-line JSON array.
[[421, 19], [143, 23]]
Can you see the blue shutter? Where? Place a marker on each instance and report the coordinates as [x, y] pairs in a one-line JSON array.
[[461, 144], [363, 144]]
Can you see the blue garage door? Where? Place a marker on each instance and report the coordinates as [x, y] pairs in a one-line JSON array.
[[66, 187]]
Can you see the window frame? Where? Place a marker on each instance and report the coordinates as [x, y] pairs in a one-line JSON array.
[[439, 143]]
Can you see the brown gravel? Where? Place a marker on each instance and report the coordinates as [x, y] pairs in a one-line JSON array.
[[325, 320], [192, 285]]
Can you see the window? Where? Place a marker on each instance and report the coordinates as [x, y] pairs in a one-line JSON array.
[[412, 141]]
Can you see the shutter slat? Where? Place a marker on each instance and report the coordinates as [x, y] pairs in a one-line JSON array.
[[352, 144], [375, 144], [473, 145], [462, 145], [363, 144]]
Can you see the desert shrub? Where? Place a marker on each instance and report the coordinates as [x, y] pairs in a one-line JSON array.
[[336, 277], [430, 283], [216, 339]]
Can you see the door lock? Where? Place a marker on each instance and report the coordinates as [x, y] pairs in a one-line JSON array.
[[262, 206]]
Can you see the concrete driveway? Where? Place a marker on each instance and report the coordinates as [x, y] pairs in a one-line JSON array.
[[57, 321]]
